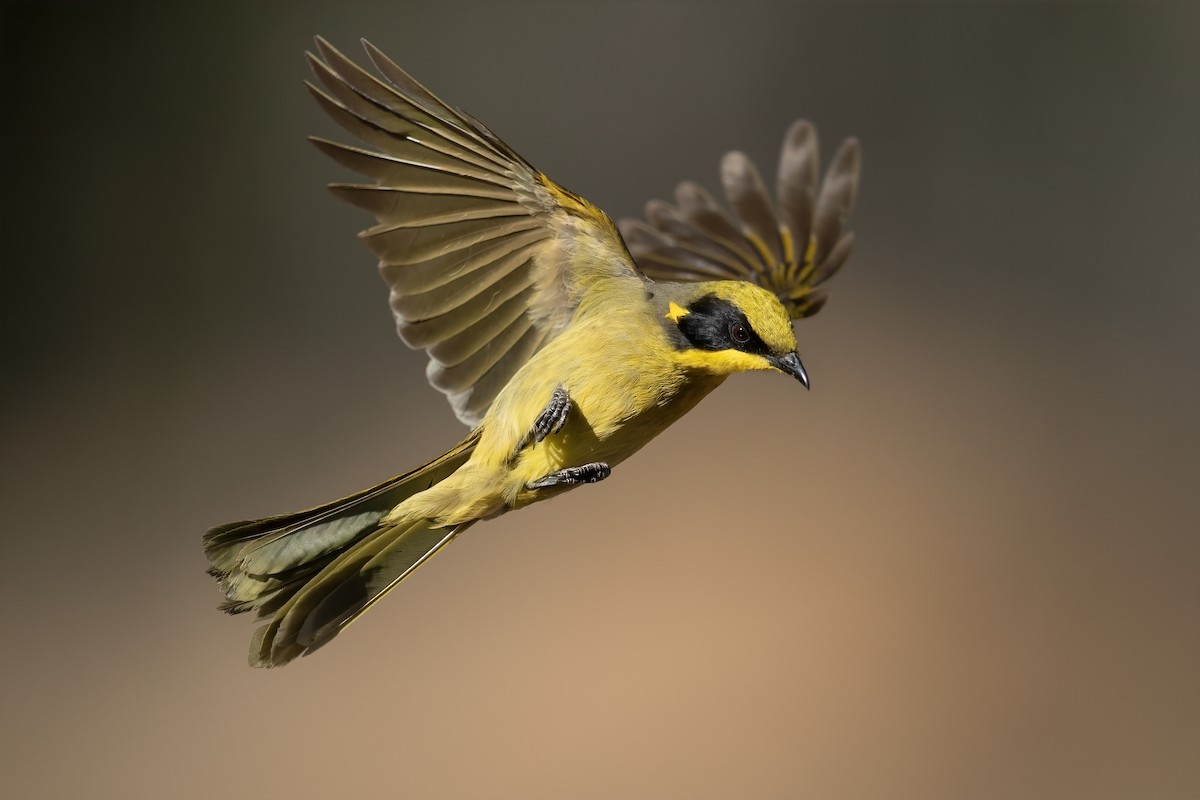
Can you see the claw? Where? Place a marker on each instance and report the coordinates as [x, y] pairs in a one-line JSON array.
[[551, 420], [573, 476]]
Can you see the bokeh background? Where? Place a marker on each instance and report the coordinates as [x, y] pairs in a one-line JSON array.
[[966, 565]]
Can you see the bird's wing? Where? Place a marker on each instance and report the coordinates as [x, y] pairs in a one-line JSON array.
[[789, 248], [486, 257]]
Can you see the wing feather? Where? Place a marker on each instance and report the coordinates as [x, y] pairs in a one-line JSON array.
[[381, 105], [392, 171], [411, 88], [836, 200], [474, 399], [662, 254], [413, 278], [414, 209], [745, 191], [401, 139], [700, 209], [789, 247], [486, 258], [728, 253], [470, 365], [397, 244], [796, 184], [452, 337], [508, 271]]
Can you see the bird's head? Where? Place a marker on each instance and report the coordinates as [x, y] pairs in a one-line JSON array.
[[734, 326]]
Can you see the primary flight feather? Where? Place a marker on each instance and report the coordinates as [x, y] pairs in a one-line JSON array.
[[564, 350]]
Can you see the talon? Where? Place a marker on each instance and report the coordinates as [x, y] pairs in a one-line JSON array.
[[551, 420], [573, 476]]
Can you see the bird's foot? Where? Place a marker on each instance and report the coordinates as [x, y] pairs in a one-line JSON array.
[[573, 476], [551, 420]]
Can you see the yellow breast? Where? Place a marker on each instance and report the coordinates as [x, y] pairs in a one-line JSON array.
[[626, 385]]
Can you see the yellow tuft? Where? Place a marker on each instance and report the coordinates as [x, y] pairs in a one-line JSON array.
[[675, 313]]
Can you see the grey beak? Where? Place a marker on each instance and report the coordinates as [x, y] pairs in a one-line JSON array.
[[792, 366]]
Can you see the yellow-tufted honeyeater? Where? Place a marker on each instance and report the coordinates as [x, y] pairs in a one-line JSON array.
[[565, 345]]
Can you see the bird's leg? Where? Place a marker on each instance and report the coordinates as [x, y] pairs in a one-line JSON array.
[[551, 420], [573, 476]]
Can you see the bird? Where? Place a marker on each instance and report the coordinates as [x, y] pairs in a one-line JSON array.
[[564, 341]]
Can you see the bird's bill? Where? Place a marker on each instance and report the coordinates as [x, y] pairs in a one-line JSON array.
[[792, 365]]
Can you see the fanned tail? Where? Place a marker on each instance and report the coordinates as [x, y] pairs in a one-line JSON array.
[[344, 589], [311, 573]]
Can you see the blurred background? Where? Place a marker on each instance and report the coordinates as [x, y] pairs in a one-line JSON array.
[[964, 566]]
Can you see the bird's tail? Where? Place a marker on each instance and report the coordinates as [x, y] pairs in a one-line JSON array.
[[310, 574]]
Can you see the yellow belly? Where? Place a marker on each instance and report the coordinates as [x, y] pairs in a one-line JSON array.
[[600, 428], [624, 391]]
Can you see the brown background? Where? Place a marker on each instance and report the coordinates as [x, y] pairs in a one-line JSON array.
[[964, 566]]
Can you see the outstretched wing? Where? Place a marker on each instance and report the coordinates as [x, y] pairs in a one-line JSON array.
[[790, 248], [486, 257]]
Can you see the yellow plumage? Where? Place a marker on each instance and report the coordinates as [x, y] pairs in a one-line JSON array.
[[564, 351]]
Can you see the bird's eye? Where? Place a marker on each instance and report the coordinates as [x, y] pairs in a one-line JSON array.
[[739, 332]]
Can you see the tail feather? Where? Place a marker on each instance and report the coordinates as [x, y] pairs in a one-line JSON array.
[[287, 564], [346, 588], [245, 592]]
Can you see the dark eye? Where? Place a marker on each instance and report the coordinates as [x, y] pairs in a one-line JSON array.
[[739, 332]]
